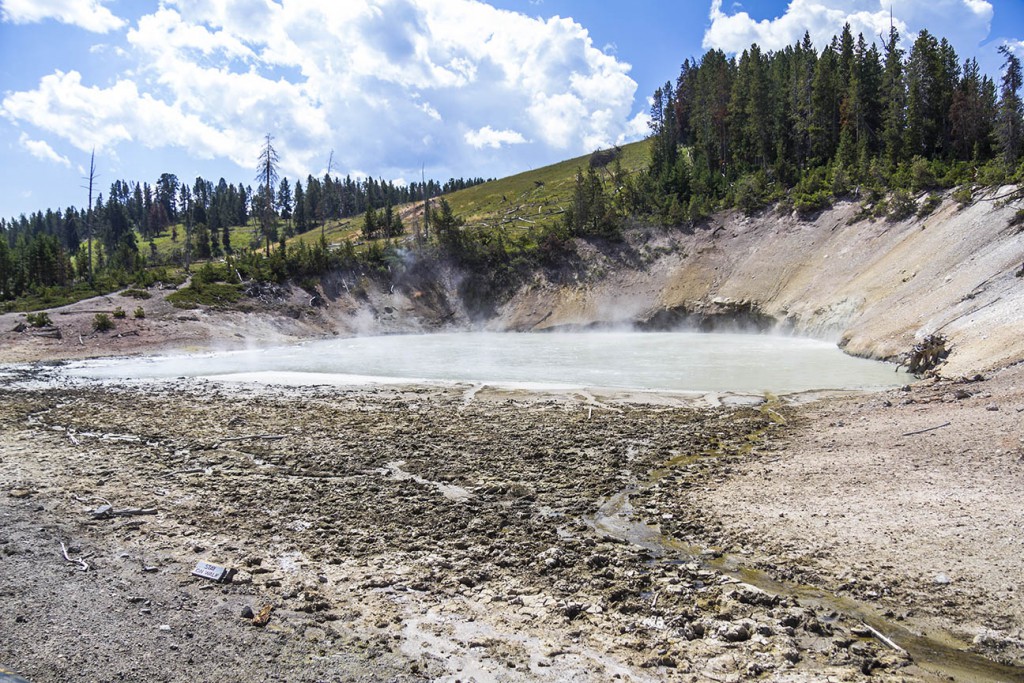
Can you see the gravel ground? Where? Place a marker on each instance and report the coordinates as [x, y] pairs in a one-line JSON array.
[[412, 533]]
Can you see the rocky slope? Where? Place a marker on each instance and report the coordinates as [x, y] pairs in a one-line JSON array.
[[873, 286]]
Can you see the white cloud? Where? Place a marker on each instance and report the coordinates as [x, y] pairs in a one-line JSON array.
[[88, 14], [101, 118], [388, 84], [965, 22], [41, 149], [488, 137]]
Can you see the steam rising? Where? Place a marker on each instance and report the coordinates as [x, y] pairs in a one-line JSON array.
[[672, 361]]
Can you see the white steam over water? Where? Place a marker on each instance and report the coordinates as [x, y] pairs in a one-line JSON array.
[[669, 361]]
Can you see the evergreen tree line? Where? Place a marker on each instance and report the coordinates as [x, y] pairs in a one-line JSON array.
[[48, 248], [856, 116]]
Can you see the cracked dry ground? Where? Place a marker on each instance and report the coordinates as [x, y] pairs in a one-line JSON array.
[[399, 534]]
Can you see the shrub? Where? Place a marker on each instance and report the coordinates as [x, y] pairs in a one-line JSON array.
[[750, 193], [963, 195], [992, 174], [809, 204], [102, 323], [922, 176], [119, 313], [901, 205], [929, 205], [140, 313], [1018, 218], [40, 319], [135, 293]]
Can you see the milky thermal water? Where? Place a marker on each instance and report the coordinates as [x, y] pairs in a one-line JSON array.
[[672, 361]]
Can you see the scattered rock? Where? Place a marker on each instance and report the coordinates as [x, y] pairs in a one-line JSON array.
[[736, 633]]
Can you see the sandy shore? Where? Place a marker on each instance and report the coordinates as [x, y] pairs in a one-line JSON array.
[[471, 533]]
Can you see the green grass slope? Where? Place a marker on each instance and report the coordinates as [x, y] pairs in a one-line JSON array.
[[520, 201]]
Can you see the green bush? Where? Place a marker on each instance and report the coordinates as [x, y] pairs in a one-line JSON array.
[[963, 195], [119, 313], [140, 313], [40, 319], [809, 204], [992, 174], [102, 323], [135, 293], [206, 294], [929, 205], [1018, 218], [750, 192], [922, 176], [901, 205]]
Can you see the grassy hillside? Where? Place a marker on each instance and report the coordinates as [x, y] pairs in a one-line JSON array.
[[519, 201]]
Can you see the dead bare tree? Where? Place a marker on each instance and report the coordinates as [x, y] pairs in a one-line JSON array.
[[88, 214], [268, 176]]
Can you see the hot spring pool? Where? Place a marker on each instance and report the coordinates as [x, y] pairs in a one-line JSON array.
[[663, 361]]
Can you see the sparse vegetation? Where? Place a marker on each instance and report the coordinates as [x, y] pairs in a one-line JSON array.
[[119, 313], [41, 319], [928, 206], [140, 313], [102, 322]]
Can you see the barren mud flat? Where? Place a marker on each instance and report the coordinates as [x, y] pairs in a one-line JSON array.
[[432, 533]]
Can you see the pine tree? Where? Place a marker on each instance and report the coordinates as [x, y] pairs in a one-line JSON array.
[[805, 59], [1011, 111]]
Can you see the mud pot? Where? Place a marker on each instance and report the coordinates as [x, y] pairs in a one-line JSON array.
[[407, 534]]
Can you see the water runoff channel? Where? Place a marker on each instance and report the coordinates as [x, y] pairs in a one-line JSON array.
[[693, 363]]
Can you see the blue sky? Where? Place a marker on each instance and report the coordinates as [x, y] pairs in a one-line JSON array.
[[460, 87]]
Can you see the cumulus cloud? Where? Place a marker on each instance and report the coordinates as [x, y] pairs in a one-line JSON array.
[[387, 84], [41, 149], [101, 118], [488, 137], [965, 22], [88, 14]]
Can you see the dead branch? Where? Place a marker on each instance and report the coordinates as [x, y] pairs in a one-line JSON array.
[[82, 564], [924, 431], [878, 634], [108, 512], [94, 498], [264, 437]]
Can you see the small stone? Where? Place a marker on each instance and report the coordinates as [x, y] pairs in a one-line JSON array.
[[942, 580], [992, 407], [247, 612], [736, 633], [164, 627], [961, 394]]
